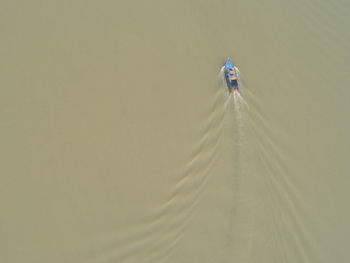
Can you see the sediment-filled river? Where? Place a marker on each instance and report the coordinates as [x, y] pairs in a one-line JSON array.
[[119, 144]]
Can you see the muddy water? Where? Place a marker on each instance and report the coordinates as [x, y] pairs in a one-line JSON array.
[[118, 143]]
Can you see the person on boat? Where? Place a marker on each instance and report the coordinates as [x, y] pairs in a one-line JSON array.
[[233, 77]]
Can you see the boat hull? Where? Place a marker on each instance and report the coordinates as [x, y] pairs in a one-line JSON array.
[[231, 76]]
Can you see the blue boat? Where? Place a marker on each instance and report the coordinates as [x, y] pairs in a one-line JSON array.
[[231, 75]]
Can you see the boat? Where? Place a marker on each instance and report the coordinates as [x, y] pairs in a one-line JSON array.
[[231, 75]]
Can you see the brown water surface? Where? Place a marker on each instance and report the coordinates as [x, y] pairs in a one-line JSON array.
[[116, 145]]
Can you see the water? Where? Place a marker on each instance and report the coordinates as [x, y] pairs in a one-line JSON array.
[[118, 144]]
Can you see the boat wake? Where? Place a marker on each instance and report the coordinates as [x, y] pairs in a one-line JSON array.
[[236, 109], [237, 100]]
